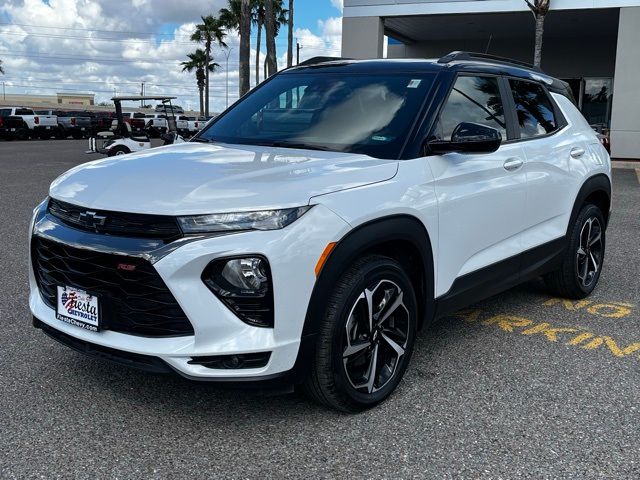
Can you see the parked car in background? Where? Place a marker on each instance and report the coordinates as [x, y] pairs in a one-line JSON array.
[[137, 121], [100, 121], [182, 124], [44, 126], [70, 124], [196, 124], [156, 124], [177, 109], [602, 131], [12, 126]]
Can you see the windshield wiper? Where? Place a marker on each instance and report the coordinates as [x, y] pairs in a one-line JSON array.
[[201, 140], [303, 146]]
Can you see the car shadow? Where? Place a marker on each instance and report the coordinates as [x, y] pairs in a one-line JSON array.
[[203, 401]]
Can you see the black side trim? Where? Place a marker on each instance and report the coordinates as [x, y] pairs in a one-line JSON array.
[[365, 238], [599, 182], [501, 276]]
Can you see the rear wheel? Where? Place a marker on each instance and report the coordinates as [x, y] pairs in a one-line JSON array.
[[366, 337], [582, 262], [119, 150]]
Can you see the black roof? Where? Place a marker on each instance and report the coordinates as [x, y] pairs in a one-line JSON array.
[[454, 61]]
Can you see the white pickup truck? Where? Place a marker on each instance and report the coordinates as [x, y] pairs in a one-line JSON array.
[[156, 124], [195, 124], [182, 124], [38, 126]]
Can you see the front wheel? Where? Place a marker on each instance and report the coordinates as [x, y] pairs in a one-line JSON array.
[[583, 259], [366, 336]]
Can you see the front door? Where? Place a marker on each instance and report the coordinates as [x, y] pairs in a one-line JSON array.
[[481, 197]]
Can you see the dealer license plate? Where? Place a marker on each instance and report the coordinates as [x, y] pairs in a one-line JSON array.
[[78, 308]]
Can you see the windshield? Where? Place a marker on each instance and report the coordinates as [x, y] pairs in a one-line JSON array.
[[370, 114]]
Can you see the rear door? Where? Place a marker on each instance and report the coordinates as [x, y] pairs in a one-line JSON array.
[[548, 150], [481, 197]]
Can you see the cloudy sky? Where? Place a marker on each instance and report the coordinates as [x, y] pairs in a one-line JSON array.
[[107, 46]]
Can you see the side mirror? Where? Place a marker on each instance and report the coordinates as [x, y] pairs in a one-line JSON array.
[[468, 138]]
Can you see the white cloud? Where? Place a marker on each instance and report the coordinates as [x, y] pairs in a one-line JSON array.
[[105, 45], [339, 4], [328, 43]]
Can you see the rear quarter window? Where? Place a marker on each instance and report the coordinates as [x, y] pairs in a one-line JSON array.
[[534, 110]]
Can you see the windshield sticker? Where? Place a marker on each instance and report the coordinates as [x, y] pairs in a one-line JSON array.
[[379, 138], [414, 83]]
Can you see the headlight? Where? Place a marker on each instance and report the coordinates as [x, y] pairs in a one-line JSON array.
[[243, 284], [228, 222]]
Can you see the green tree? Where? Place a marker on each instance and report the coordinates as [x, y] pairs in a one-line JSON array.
[[230, 18], [198, 62], [210, 31], [1, 69], [539, 8]]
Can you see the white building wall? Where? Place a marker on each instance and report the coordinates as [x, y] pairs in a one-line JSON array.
[[625, 115], [383, 8]]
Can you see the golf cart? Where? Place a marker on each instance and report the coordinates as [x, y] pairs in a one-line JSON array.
[[121, 139]]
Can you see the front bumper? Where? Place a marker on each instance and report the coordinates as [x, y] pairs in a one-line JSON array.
[[292, 253]]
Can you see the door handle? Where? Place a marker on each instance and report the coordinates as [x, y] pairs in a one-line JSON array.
[[512, 164], [577, 152]]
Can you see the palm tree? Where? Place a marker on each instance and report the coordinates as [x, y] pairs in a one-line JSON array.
[[275, 16], [198, 61], [208, 32], [245, 45], [270, 24], [290, 35], [539, 8], [1, 69], [230, 18]]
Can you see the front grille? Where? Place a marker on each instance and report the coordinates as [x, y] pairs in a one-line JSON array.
[[118, 223], [134, 301]]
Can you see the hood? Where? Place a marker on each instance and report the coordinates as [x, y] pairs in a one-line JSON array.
[[192, 178]]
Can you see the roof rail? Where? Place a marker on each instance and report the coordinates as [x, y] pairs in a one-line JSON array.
[[484, 57], [316, 60]]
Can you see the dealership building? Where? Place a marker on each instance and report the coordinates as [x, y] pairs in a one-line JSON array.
[[594, 45]]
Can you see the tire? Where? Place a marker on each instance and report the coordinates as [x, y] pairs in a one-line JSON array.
[[119, 150], [582, 263], [347, 385]]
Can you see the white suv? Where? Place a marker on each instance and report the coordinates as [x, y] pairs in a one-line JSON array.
[[308, 232]]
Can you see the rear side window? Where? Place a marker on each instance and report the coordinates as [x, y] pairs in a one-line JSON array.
[[534, 109], [24, 111], [472, 99], [5, 112]]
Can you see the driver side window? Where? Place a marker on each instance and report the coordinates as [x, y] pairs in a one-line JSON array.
[[472, 99]]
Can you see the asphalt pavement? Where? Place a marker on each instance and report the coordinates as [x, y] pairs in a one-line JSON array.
[[519, 386]]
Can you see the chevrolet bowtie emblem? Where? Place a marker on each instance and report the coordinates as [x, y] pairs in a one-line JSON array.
[[91, 219]]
